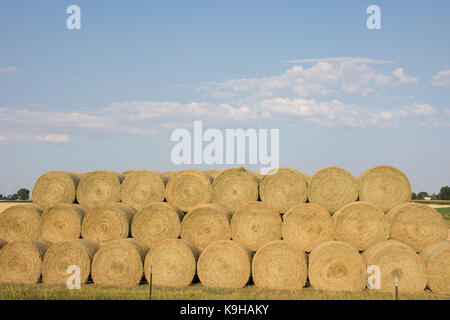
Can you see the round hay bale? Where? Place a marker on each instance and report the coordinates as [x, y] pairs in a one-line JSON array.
[[361, 225], [20, 261], [128, 172], [172, 263], [142, 187], [212, 173], [254, 224], [99, 187], [234, 187], [397, 259], [169, 174], [284, 189], [280, 265], [417, 225], [205, 224], [2, 243], [332, 188], [63, 254], [107, 222], [56, 187], [337, 266], [119, 263], [62, 222], [437, 262], [156, 222], [384, 186], [307, 225], [187, 189], [224, 264], [20, 222]]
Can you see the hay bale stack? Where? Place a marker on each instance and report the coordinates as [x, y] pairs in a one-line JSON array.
[[107, 222], [437, 262], [332, 188], [397, 259], [141, 187], [188, 188], [336, 266], [156, 222], [56, 187], [20, 261], [169, 174], [361, 224], [417, 225], [99, 187], [212, 173], [307, 225], [2, 243], [224, 264], [234, 187], [284, 189], [384, 186], [128, 172], [172, 263], [63, 254], [119, 263], [280, 265], [20, 222], [205, 224], [62, 222], [255, 224]]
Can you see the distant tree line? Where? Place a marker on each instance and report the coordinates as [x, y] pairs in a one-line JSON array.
[[22, 194], [444, 194]]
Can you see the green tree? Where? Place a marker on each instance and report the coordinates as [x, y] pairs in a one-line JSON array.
[[23, 194], [444, 194], [414, 196], [422, 195]]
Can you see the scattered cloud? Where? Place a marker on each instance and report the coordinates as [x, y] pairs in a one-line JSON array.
[[56, 138], [442, 79], [9, 69], [3, 139], [324, 77]]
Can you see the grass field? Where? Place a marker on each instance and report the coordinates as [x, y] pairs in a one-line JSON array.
[[194, 292], [438, 202]]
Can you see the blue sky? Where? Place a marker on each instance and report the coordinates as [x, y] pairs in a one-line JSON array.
[[109, 95]]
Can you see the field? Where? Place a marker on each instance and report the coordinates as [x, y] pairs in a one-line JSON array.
[[193, 292]]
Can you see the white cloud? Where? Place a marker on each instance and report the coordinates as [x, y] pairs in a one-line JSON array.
[[3, 139], [56, 138], [324, 77], [9, 69], [442, 79], [402, 78]]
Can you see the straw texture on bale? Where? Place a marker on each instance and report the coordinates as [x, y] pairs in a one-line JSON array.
[[21, 261], [279, 265], [56, 187], [361, 224], [332, 188], [437, 262], [142, 187], [99, 187], [396, 259], [336, 266], [307, 225], [224, 264], [172, 263], [417, 225], [157, 221], [2, 243], [234, 187], [284, 189], [63, 254], [62, 222], [20, 222], [128, 172], [255, 224], [107, 222], [212, 173], [384, 186], [205, 224], [119, 263], [188, 188]]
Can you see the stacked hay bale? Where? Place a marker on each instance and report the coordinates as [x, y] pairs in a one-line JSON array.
[[283, 230]]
